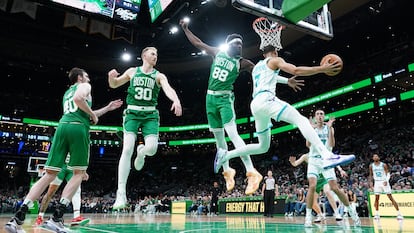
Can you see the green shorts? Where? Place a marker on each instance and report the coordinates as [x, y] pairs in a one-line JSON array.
[[64, 174], [220, 110], [320, 183], [70, 138], [148, 121]]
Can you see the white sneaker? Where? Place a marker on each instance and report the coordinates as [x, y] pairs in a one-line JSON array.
[[121, 201], [140, 159], [357, 221], [218, 159], [308, 222], [56, 226], [336, 160], [13, 226], [319, 219], [338, 217], [376, 217], [400, 217]]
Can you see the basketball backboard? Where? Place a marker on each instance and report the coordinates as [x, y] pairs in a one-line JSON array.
[[35, 164], [318, 23]]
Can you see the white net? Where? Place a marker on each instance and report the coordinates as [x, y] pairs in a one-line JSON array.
[[269, 32]]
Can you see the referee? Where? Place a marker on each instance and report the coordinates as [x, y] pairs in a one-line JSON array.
[[269, 190]]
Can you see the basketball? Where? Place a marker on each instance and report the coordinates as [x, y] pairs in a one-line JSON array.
[[332, 58]]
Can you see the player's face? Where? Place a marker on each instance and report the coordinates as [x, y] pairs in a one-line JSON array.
[[235, 49], [319, 116], [269, 173], [375, 157], [151, 56]]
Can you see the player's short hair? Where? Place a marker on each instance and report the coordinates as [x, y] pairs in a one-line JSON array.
[[74, 73], [233, 36], [268, 48], [146, 49]]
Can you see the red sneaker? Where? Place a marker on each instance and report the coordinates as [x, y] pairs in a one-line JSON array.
[[39, 220], [79, 221]]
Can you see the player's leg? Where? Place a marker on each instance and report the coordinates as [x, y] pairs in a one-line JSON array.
[[332, 202], [292, 116], [150, 131], [53, 187], [319, 215], [253, 176], [54, 163], [78, 219], [78, 141], [333, 184], [394, 203], [312, 178]]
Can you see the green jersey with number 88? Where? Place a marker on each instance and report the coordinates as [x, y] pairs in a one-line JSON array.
[[143, 89], [224, 72]]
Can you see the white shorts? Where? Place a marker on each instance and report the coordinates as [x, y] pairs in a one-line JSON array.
[[379, 188], [315, 169], [264, 107]]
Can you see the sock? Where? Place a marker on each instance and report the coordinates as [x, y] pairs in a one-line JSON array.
[[398, 212], [124, 165], [28, 202], [377, 212], [308, 212], [76, 213], [64, 201], [76, 202], [231, 130], [41, 214], [221, 143]]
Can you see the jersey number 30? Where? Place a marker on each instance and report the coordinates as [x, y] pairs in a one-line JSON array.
[[143, 93]]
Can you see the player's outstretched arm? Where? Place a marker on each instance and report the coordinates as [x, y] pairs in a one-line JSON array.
[[197, 42], [109, 107], [171, 94]]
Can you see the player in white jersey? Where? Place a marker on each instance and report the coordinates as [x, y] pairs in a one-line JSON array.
[[325, 131], [378, 172], [266, 106]]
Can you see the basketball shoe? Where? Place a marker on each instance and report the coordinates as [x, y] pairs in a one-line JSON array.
[[14, 226], [121, 200], [229, 178], [336, 160], [79, 221], [218, 159], [253, 181]]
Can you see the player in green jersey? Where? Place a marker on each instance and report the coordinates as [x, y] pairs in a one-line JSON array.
[[221, 116], [145, 83], [71, 136]]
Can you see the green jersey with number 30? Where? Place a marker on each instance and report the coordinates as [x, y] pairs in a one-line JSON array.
[[223, 72], [71, 111], [143, 89]]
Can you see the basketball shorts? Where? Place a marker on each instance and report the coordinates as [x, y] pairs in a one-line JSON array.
[[64, 174], [220, 110], [315, 169], [73, 138], [148, 121], [264, 107], [320, 183], [379, 188]]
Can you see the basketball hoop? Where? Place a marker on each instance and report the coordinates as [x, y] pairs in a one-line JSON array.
[[40, 170], [269, 32]]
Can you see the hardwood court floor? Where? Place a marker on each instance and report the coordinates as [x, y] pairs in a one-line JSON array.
[[176, 223]]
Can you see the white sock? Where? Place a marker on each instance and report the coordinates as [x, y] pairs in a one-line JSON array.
[[308, 212], [76, 202], [221, 143], [124, 165], [28, 202], [41, 214], [231, 130]]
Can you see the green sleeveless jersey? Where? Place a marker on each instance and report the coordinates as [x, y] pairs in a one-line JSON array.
[[223, 72], [143, 89], [71, 112]]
